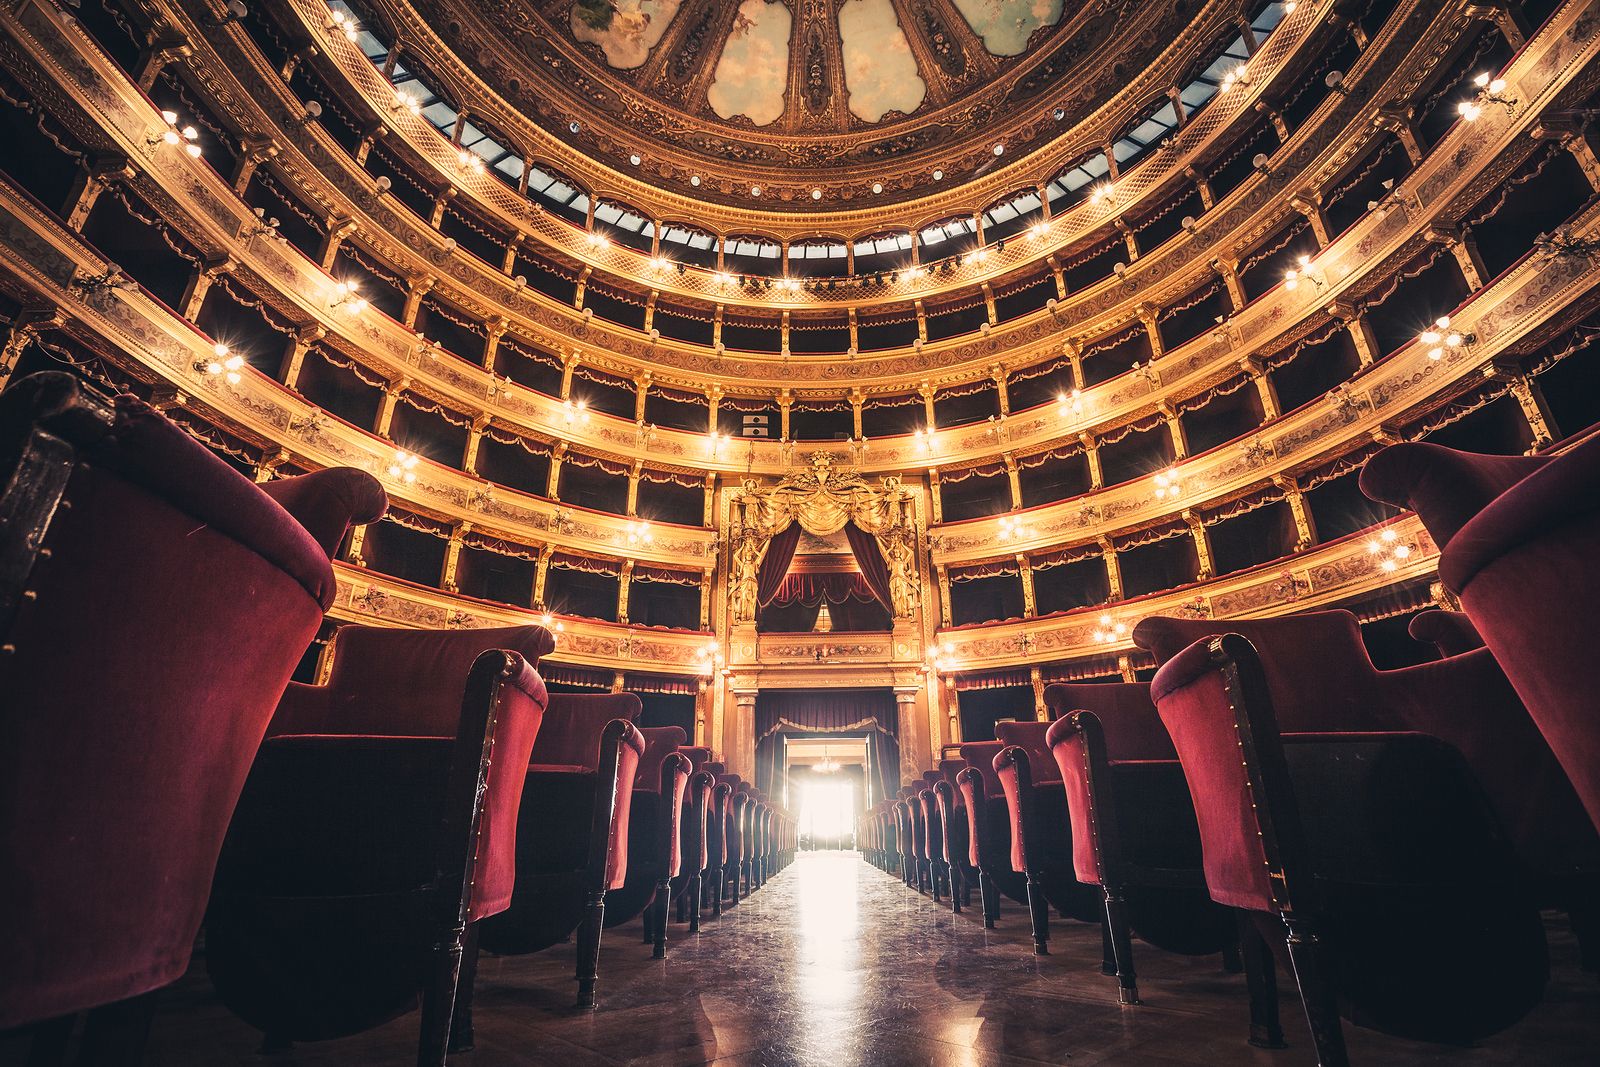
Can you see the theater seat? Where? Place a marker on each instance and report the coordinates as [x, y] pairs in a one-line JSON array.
[[656, 807], [1464, 700], [1369, 856], [1041, 830], [1519, 543], [1135, 836], [989, 829], [153, 605], [375, 831], [571, 837]]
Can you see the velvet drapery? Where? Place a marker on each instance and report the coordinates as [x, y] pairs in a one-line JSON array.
[[775, 564], [871, 713], [812, 588], [869, 557]]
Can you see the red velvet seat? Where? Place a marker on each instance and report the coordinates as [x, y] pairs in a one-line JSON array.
[[906, 835], [153, 605], [989, 829], [695, 848], [1371, 846], [1135, 836], [572, 835], [654, 836], [1519, 543], [375, 831], [1041, 829], [916, 818], [1464, 700], [717, 840], [733, 839]]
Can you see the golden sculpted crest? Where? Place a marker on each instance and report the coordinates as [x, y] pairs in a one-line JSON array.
[[822, 498]]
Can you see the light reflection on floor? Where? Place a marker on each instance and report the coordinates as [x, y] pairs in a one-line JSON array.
[[828, 961]]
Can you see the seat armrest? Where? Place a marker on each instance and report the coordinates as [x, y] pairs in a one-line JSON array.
[[328, 502]]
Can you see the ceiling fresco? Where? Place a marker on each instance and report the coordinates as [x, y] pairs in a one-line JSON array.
[[728, 96]]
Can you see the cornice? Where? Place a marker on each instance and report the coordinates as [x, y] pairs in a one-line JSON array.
[[378, 600], [1334, 573]]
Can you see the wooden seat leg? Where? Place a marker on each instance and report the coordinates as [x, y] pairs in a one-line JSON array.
[[1316, 993], [1260, 976], [1121, 947]]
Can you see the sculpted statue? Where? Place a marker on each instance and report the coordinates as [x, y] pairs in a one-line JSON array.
[[742, 575], [902, 574]]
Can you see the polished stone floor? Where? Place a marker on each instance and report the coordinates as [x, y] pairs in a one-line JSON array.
[[836, 963]]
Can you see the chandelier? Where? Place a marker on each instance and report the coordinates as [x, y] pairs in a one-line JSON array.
[[826, 765]]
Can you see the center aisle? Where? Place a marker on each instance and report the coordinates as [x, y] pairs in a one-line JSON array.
[[836, 963]]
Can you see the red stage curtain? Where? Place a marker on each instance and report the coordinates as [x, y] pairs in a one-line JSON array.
[[812, 588], [775, 565], [870, 559]]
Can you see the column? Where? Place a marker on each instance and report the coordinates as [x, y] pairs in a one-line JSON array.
[[1361, 334], [253, 154], [1265, 389], [1149, 318], [1202, 184], [358, 539], [294, 353], [1036, 680], [469, 452], [998, 373], [705, 598], [158, 55], [1309, 204], [633, 488], [391, 396], [1229, 271], [415, 291], [1180, 438], [905, 702], [1305, 527], [93, 177], [1398, 120], [541, 572], [1202, 545], [935, 503], [785, 399], [452, 558], [338, 230], [708, 513], [1461, 245], [200, 283], [1091, 452], [988, 303], [624, 581], [1030, 606], [557, 454], [568, 362], [856, 399], [1013, 479], [1530, 398], [1074, 353], [713, 401], [926, 392], [739, 736], [1108, 553], [943, 577], [493, 330], [24, 328]]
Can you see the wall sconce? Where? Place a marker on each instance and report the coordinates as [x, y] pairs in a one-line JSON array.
[[1108, 630], [1335, 82], [1038, 230], [1262, 163], [469, 162], [1012, 527], [551, 623], [639, 533], [1168, 485], [405, 100], [941, 659], [709, 658], [222, 364], [1388, 551], [1239, 75], [1302, 269], [1069, 404], [1104, 193], [261, 227], [403, 468], [310, 113], [575, 413], [347, 296], [924, 438], [235, 11], [1489, 91], [1440, 338], [187, 136], [343, 24]]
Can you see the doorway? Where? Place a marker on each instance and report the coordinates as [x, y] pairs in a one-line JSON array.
[[827, 812]]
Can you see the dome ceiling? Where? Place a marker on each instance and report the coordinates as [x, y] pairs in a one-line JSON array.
[[713, 97]]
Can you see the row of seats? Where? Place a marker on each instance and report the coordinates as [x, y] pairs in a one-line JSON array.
[[352, 845], [1390, 836]]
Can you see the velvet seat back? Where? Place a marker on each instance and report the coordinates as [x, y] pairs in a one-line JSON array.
[[160, 631], [979, 755], [1030, 737], [1518, 541], [388, 683], [1318, 671], [1127, 715], [570, 735], [698, 755], [659, 743]]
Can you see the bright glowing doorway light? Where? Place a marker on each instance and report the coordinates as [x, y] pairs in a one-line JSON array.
[[828, 810]]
